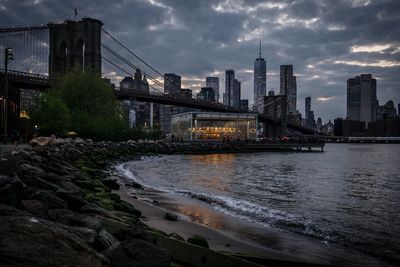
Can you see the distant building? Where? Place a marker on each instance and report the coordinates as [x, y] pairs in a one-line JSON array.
[[172, 84], [361, 98], [229, 81], [137, 83], [328, 128], [214, 126], [274, 107], [288, 87], [213, 82], [319, 124], [307, 112], [207, 94], [186, 93], [346, 127], [311, 122], [139, 112], [244, 104], [260, 81], [386, 111], [271, 92], [236, 94]]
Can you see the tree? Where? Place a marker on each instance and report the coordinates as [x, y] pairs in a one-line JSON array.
[[52, 115]]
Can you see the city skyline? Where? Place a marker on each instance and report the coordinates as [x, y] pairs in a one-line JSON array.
[[325, 45]]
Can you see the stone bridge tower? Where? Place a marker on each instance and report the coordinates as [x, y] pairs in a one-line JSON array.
[[75, 44]]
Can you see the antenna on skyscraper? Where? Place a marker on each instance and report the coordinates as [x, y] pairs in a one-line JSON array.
[[259, 54]]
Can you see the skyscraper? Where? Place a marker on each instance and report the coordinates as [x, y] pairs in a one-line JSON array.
[[229, 80], [206, 94], [309, 123], [361, 98], [260, 80], [172, 84], [213, 82], [288, 87], [236, 94]]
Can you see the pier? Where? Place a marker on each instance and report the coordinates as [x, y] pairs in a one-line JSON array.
[[299, 147]]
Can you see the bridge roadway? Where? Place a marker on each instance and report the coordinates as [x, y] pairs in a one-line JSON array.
[[43, 82]]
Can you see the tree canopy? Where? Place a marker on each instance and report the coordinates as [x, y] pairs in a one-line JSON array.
[[84, 103]]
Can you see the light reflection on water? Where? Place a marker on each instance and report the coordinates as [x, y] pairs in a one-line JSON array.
[[349, 195]]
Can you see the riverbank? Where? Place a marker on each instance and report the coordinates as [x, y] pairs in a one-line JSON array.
[[59, 197]]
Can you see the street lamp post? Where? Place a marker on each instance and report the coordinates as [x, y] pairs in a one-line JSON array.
[[8, 56]]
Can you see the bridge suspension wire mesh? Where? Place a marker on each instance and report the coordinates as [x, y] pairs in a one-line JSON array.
[[155, 77], [30, 48], [127, 59]]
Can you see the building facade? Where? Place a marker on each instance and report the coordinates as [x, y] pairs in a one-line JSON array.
[[214, 126], [213, 82], [288, 87], [236, 94], [260, 81], [229, 81], [206, 94], [172, 84], [244, 104], [386, 111], [361, 98]]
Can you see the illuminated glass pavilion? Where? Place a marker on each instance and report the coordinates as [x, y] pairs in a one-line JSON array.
[[214, 126]]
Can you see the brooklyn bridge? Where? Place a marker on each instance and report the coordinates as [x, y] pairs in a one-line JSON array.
[[34, 56]]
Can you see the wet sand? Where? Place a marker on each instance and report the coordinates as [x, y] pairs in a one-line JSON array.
[[226, 233]]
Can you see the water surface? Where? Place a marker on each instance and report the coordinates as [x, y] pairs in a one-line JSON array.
[[349, 195]]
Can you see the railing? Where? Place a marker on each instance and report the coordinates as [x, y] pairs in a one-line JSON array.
[[26, 76]]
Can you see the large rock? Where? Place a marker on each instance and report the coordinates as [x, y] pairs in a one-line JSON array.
[[28, 241], [11, 190], [111, 183], [126, 207], [139, 253], [8, 165], [75, 200], [50, 200], [72, 218], [35, 207], [198, 241]]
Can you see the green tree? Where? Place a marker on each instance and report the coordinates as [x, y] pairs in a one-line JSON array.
[[52, 115], [90, 109]]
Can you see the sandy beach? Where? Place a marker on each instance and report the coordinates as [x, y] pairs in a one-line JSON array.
[[229, 234]]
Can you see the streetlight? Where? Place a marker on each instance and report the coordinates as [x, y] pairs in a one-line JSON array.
[[8, 56]]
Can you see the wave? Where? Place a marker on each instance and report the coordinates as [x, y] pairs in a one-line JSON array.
[[269, 217]]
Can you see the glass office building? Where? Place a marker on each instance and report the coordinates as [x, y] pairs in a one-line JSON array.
[[214, 126]]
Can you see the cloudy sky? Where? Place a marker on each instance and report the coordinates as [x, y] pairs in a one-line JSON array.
[[326, 41]]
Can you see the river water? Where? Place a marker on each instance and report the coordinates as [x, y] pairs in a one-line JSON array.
[[348, 195]]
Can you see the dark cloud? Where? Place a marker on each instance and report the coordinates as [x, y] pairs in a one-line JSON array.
[[326, 41]]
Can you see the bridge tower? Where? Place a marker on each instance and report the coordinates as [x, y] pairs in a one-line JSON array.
[[75, 44]]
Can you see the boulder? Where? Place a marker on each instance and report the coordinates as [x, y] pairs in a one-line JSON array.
[[139, 253], [75, 200], [111, 183], [50, 200], [11, 190], [6, 210], [93, 208], [198, 241], [35, 207], [28, 241], [9, 165], [170, 217], [126, 207], [39, 141], [104, 240]]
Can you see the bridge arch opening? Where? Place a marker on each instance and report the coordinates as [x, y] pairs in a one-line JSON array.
[[80, 48]]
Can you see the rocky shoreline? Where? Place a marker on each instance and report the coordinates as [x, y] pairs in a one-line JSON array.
[[57, 208]]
